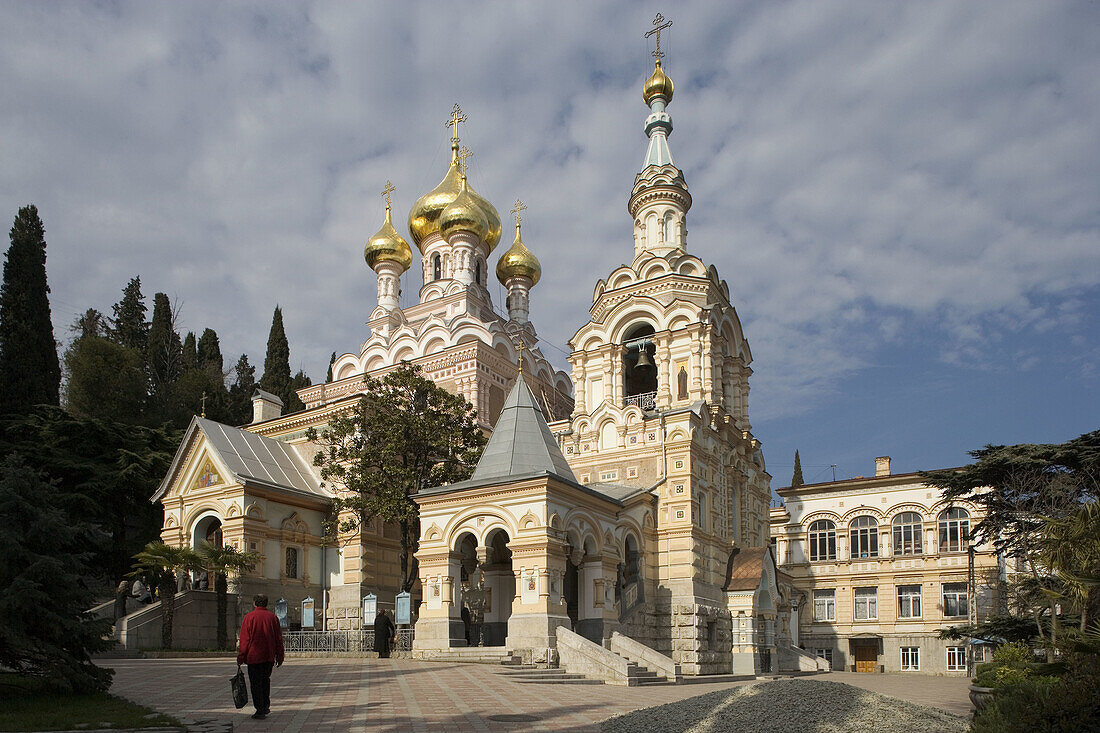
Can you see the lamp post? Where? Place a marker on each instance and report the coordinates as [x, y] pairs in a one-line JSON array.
[[971, 606]]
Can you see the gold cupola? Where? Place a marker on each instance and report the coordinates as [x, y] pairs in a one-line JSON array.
[[387, 245], [424, 217], [657, 85], [517, 261], [464, 214]]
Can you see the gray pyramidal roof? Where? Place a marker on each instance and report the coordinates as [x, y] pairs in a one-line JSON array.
[[251, 458], [521, 442]]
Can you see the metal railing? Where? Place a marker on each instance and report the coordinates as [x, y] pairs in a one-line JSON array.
[[647, 401], [348, 640]]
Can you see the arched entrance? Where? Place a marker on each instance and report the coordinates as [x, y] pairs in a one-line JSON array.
[[488, 586], [207, 529]]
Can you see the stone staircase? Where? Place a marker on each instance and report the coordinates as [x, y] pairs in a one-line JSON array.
[[622, 664]]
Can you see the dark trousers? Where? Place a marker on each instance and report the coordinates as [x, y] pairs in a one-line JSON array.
[[259, 679]]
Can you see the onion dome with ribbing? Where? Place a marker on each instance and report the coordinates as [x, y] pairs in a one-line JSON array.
[[658, 85], [517, 261], [425, 214], [464, 214], [388, 246]]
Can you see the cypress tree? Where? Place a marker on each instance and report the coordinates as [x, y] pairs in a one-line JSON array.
[[241, 391], [331, 361], [276, 378], [210, 354], [190, 352], [163, 355], [30, 372], [130, 329], [291, 401], [796, 479]]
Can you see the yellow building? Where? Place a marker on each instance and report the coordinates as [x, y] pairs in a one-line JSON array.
[[880, 564]]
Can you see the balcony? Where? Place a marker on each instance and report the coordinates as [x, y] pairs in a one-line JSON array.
[[647, 401]]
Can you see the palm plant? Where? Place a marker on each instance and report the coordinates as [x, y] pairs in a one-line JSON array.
[[161, 561], [221, 562]]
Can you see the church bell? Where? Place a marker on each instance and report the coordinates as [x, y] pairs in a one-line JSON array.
[[645, 363]]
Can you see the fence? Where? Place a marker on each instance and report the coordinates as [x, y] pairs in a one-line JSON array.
[[351, 640]]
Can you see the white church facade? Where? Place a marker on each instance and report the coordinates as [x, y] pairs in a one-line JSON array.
[[627, 498]]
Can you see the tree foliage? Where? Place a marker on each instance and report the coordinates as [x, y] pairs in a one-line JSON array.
[[104, 379], [223, 561], [161, 562], [241, 391], [404, 435], [128, 325], [30, 373], [796, 478], [276, 376], [163, 358], [45, 630]]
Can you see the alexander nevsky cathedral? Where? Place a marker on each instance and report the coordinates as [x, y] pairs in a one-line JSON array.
[[620, 509]]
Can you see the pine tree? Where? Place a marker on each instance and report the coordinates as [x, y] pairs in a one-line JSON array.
[[90, 324], [276, 378], [129, 327], [210, 353], [30, 373], [796, 479], [190, 352], [241, 391], [163, 357]]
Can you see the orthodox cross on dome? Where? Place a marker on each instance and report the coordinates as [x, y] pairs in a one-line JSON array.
[[462, 156], [520, 206], [520, 347], [390, 188], [203, 415], [659, 25], [456, 117]]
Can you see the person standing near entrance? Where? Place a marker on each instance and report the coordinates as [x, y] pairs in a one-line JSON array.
[[384, 631], [261, 648]]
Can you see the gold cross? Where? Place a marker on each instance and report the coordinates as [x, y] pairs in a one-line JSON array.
[[203, 415], [456, 117], [520, 347], [657, 22], [462, 156], [520, 206], [387, 191]]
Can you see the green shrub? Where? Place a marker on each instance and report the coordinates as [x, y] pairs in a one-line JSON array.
[[1070, 704], [1016, 655]]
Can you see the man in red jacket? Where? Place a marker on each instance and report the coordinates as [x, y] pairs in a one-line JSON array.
[[260, 647]]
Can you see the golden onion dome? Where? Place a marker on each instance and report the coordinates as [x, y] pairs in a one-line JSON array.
[[424, 217], [464, 214], [388, 246], [518, 260], [492, 236], [658, 85]]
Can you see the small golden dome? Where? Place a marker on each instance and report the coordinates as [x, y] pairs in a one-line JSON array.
[[492, 236], [658, 85], [518, 260], [464, 214], [388, 246]]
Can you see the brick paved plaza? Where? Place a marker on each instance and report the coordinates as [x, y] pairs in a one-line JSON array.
[[353, 694]]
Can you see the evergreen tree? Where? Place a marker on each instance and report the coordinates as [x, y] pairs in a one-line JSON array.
[[104, 380], [190, 352], [163, 359], [30, 373], [90, 324], [210, 353], [241, 391], [796, 479], [331, 362], [129, 327], [291, 401], [276, 378]]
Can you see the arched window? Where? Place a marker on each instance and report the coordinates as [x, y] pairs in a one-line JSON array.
[[437, 267], [477, 273], [702, 510], [639, 367], [669, 236], [954, 529], [863, 533], [822, 541], [907, 533], [292, 562]]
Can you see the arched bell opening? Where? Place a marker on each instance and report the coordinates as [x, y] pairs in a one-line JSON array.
[[639, 367]]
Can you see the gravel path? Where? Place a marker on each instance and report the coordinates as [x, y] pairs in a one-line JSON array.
[[780, 706]]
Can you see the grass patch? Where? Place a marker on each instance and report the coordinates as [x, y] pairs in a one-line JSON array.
[[26, 706]]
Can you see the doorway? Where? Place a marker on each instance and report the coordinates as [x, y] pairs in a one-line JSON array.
[[866, 656]]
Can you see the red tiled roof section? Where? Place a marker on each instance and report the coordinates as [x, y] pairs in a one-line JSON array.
[[745, 570]]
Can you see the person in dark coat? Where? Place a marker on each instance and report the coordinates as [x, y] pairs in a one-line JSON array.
[[384, 632], [261, 648]]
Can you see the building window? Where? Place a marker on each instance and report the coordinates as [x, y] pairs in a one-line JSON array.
[[954, 530], [980, 653], [437, 267], [825, 605], [866, 604], [864, 536], [292, 562], [956, 659], [826, 654], [910, 659], [955, 599], [907, 531], [822, 541], [908, 601], [702, 510]]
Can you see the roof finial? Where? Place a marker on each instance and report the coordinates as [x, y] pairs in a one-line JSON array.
[[462, 156], [390, 188], [456, 117], [203, 414], [520, 347], [519, 207], [659, 25]]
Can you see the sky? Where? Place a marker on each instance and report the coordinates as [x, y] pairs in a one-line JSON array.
[[903, 197]]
